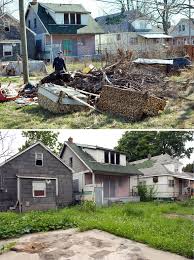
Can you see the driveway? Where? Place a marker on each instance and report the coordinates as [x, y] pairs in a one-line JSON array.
[[90, 245]]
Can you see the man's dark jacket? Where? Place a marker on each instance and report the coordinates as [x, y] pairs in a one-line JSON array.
[[59, 64]]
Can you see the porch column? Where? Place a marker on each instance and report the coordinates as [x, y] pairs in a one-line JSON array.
[[93, 183]]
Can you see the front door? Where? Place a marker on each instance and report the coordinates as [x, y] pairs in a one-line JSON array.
[[70, 47], [98, 196], [109, 186]]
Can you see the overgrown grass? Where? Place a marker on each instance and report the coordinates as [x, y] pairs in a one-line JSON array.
[[143, 222], [13, 116]]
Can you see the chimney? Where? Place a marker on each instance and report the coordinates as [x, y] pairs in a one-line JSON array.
[[34, 2], [70, 140]]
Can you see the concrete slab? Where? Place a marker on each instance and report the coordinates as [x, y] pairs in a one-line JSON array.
[[90, 245]]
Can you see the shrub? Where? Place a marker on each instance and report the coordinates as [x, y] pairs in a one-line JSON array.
[[146, 193], [88, 206]]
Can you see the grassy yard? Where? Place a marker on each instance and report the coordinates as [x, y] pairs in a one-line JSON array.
[[28, 117], [144, 222]]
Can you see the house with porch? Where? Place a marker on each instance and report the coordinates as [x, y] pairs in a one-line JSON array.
[[165, 174], [62, 27], [35, 179], [10, 40], [130, 30], [100, 174]]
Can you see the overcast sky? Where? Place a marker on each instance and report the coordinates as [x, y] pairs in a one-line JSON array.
[[105, 138], [96, 8]]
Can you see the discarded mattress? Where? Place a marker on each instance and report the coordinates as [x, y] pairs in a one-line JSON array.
[[15, 68], [59, 99], [153, 61]]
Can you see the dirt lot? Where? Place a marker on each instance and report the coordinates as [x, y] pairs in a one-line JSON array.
[[71, 244]]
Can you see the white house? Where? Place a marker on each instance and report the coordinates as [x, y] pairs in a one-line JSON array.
[[129, 30], [100, 174], [165, 174]]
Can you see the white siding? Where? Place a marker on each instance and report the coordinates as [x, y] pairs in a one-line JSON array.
[[84, 19], [59, 18]]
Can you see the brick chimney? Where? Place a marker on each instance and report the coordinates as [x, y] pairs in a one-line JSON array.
[[70, 140]]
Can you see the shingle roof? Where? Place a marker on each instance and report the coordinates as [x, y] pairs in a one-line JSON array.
[[53, 28], [62, 8], [102, 167]]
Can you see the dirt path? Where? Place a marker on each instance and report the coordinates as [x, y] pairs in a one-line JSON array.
[[90, 245]]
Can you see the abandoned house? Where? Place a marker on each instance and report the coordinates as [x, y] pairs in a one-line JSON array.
[[100, 174], [66, 27], [130, 30], [10, 43], [35, 179], [165, 174]]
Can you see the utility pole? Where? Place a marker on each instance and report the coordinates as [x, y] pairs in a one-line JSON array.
[[24, 42], [190, 42]]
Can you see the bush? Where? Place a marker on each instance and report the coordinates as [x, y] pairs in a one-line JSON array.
[[88, 206], [146, 193]]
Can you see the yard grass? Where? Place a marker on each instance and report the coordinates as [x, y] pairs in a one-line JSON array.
[[13, 116], [142, 222]]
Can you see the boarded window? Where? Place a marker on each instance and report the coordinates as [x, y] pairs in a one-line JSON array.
[[7, 50], [106, 157], [112, 158], [117, 158], [155, 179], [78, 18], [72, 18], [171, 183], [39, 159], [39, 188], [66, 18]]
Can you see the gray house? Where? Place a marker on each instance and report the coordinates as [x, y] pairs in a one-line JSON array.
[[35, 179], [100, 174], [10, 42]]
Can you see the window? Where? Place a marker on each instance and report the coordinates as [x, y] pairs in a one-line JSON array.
[[118, 37], [179, 28], [7, 50], [72, 18], [171, 183], [78, 18], [112, 158], [118, 158], [106, 157], [29, 24], [183, 27], [71, 162], [35, 23], [155, 179], [66, 18], [39, 189], [6, 26], [39, 159], [142, 182]]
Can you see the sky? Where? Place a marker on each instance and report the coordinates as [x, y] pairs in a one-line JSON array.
[[105, 138], [96, 8]]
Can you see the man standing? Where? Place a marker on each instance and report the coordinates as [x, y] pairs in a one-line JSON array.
[[59, 63]]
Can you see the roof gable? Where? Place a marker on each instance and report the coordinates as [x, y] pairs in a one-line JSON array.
[[65, 8]]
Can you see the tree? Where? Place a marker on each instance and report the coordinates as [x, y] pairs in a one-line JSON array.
[[48, 138], [138, 145], [3, 4], [6, 141], [189, 168]]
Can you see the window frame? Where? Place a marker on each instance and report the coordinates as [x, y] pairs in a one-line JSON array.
[[171, 183], [36, 155], [10, 45], [33, 189]]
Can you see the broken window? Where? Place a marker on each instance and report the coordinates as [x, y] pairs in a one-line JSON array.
[[66, 18], [106, 157], [72, 18], [39, 159], [39, 188], [117, 158], [78, 18], [155, 179], [112, 158], [71, 162], [7, 50]]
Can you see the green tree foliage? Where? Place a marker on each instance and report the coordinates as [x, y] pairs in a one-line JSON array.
[[188, 168], [48, 138], [138, 145]]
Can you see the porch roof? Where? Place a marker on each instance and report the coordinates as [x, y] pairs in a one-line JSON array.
[[155, 36], [102, 167]]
